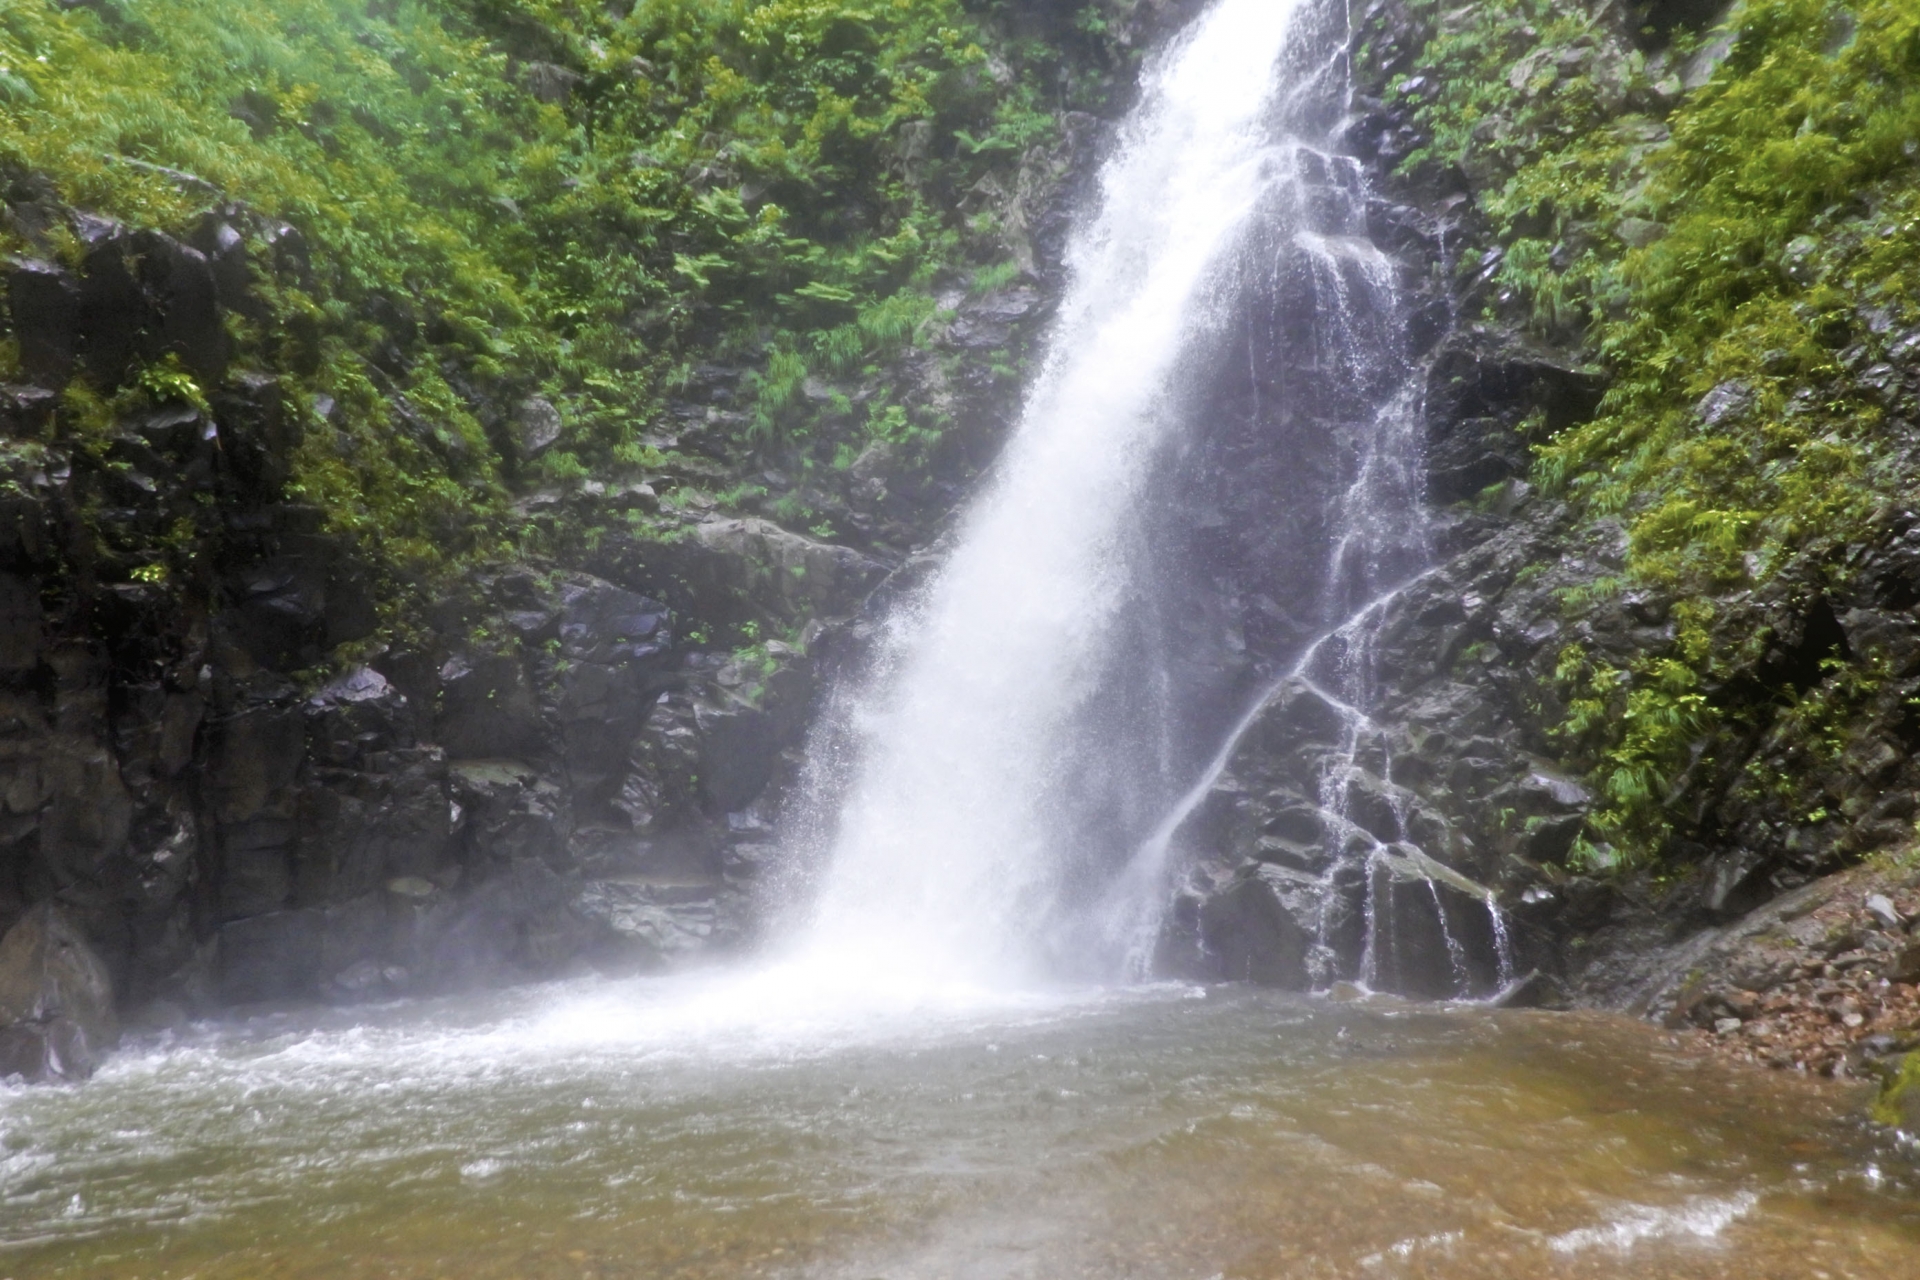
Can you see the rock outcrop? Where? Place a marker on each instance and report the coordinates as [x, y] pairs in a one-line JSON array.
[[57, 1014], [549, 776]]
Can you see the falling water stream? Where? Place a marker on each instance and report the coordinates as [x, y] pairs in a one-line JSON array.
[[910, 1084], [949, 848]]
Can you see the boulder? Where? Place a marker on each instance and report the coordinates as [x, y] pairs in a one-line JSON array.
[[1298, 714], [986, 323], [644, 924], [259, 436], [600, 622], [505, 812], [662, 789], [1252, 934], [114, 310], [1471, 455], [536, 426], [1884, 913], [487, 709], [550, 82], [220, 239], [356, 716], [56, 1000], [612, 642], [26, 412], [1373, 805], [144, 296], [773, 572], [752, 718], [45, 304], [1433, 928], [1905, 966], [1482, 386], [179, 283], [278, 614]]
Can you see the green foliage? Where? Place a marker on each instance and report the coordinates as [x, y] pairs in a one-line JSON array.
[[1754, 244], [1527, 98], [533, 196], [168, 383], [1642, 726]]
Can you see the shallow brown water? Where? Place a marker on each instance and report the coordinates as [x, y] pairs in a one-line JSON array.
[[704, 1128]]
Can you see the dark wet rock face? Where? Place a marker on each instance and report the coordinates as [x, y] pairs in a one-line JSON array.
[[520, 812], [555, 779], [1489, 397], [1253, 930], [219, 808], [57, 1013], [44, 302], [1383, 832]]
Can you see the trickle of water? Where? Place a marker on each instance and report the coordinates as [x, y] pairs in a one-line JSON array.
[[946, 854], [1456, 954], [1132, 909], [1502, 943]]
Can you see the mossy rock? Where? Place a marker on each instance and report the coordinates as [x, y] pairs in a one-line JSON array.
[[1899, 1102]]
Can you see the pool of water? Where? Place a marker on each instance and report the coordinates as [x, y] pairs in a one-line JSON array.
[[755, 1125]]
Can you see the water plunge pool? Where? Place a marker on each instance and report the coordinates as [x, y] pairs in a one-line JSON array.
[[746, 1125]]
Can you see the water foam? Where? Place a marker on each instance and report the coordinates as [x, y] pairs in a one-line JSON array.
[[1701, 1218]]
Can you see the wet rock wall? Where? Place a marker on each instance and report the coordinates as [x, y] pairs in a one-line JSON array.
[[1462, 762]]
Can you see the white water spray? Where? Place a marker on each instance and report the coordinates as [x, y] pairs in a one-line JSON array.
[[941, 865]]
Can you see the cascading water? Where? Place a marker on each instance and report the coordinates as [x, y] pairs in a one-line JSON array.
[[1021, 736], [947, 852]]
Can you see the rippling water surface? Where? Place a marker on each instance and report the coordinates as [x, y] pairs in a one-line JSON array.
[[756, 1126]]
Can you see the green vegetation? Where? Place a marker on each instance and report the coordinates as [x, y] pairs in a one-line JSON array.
[[1738, 259], [503, 198], [1898, 1103]]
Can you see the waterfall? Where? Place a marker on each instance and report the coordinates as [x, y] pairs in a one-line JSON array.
[[1015, 743]]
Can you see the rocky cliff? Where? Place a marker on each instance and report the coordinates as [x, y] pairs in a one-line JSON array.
[[1655, 688], [380, 619]]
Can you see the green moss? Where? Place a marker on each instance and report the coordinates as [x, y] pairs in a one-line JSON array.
[[1899, 1102], [1735, 242]]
